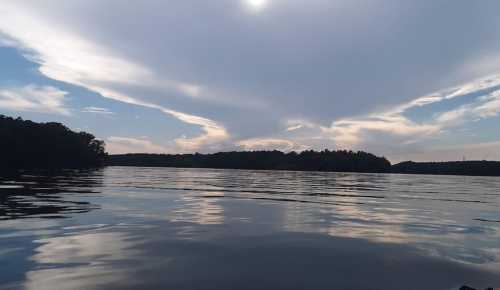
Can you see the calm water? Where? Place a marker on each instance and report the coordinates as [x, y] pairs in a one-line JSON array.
[[157, 228]]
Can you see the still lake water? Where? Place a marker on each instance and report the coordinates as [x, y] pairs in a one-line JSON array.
[[166, 228]]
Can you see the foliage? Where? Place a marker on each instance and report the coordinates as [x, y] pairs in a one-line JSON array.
[[326, 160], [483, 168], [30, 145]]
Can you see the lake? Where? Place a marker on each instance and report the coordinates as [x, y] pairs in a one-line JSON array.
[[167, 228]]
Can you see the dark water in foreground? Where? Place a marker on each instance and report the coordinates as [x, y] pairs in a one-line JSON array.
[[154, 228]]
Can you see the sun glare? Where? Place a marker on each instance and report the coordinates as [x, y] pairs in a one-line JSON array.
[[256, 4]]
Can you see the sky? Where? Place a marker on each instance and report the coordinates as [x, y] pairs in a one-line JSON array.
[[408, 80]]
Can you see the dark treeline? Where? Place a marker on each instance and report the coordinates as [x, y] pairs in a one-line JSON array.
[[270, 160], [30, 145], [342, 161], [479, 168]]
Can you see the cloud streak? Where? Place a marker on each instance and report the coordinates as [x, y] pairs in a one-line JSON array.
[[33, 98], [280, 75], [67, 57], [257, 144], [97, 110], [122, 145], [351, 132]]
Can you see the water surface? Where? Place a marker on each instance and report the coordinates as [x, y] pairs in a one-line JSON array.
[[165, 228]]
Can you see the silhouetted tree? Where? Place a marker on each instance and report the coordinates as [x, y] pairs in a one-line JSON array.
[[483, 168], [271, 160], [30, 145]]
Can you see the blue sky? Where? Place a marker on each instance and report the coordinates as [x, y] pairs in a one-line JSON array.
[[413, 80]]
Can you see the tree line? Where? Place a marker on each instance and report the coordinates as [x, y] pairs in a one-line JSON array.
[[29, 145], [477, 168], [326, 160], [309, 160]]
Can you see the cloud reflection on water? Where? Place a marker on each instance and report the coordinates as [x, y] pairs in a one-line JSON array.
[[90, 260], [225, 229]]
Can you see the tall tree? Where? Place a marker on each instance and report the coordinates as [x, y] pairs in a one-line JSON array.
[[30, 145]]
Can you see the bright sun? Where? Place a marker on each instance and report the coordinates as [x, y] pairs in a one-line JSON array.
[[256, 4]]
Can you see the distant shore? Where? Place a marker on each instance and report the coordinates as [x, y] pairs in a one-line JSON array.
[[326, 160], [462, 168], [467, 168], [45, 147]]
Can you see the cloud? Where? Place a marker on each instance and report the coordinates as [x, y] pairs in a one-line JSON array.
[[296, 124], [392, 122], [295, 127], [487, 106], [91, 255], [348, 133], [469, 151], [65, 56], [343, 66], [97, 110], [214, 132], [33, 98], [122, 145], [270, 143]]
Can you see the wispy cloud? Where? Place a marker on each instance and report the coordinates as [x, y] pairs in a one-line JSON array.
[[213, 132], [33, 98], [350, 81], [350, 132], [295, 127], [484, 107], [271, 143], [121, 145], [67, 57], [97, 110], [296, 124]]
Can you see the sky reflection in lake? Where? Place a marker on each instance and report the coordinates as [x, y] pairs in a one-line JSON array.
[[154, 228]]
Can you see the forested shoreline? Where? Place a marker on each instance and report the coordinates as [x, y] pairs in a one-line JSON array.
[[472, 168], [325, 160], [29, 145], [341, 161]]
